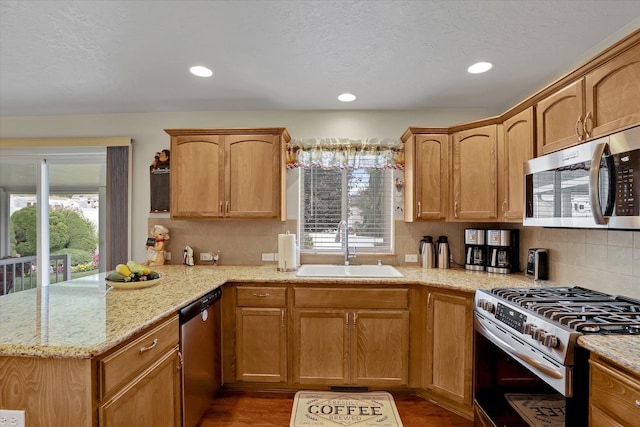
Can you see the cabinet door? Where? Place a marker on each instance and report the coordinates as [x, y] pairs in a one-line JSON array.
[[253, 176], [559, 119], [432, 176], [197, 176], [261, 344], [613, 394], [380, 348], [449, 349], [475, 163], [151, 400], [613, 94], [517, 148], [321, 346]]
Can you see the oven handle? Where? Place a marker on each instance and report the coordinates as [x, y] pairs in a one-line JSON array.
[[512, 351]]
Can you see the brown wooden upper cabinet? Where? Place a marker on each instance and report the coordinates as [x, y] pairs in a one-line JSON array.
[[516, 147], [426, 174], [228, 173], [475, 174], [604, 100]]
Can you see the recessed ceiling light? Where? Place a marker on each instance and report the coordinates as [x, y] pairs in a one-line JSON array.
[[347, 97], [480, 67], [201, 71]]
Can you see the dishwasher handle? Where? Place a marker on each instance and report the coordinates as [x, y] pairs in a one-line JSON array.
[[201, 304]]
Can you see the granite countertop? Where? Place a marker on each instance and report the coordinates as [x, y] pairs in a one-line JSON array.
[[84, 317]]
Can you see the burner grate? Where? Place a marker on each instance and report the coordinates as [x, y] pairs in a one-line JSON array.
[[580, 309]]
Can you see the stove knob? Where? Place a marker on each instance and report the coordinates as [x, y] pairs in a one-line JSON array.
[[528, 328], [551, 341], [538, 335], [481, 303], [490, 307]]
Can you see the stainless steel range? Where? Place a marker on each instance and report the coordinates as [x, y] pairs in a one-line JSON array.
[[538, 328]]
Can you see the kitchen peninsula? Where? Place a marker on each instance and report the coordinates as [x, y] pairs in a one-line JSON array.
[[59, 346]]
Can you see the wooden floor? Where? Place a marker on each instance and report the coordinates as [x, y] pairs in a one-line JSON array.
[[273, 409]]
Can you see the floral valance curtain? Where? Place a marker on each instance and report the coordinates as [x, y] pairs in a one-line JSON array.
[[343, 153]]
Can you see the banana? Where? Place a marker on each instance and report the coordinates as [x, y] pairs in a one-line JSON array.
[[123, 269], [135, 268]]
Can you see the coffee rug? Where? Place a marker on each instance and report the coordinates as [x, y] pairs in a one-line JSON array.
[[337, 409], [539, 410]]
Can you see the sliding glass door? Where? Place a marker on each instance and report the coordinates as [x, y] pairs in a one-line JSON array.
[[52, 210]]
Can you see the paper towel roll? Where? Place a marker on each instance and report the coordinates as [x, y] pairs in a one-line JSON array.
[[287, 252]]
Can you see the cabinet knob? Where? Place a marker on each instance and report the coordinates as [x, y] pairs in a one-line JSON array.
[[455, 209], [260, 295], [419, 209]]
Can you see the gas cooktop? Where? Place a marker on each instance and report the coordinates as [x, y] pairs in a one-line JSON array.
[[582, 310]]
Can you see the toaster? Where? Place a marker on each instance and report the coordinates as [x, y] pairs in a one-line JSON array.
[[538, 264]]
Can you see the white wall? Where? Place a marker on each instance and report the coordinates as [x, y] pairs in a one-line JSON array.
[[148, 132]]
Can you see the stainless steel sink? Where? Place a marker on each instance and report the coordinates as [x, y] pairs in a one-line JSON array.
[[332, 270]]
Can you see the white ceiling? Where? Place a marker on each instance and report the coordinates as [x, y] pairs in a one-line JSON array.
[[83, 57]]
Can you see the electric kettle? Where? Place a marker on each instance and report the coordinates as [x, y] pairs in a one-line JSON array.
[[443, 252], [427, 252]]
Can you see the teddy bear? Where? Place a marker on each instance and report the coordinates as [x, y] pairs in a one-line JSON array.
[[155, 245]]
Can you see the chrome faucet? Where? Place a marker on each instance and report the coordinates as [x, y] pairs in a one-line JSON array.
[[343, 225]]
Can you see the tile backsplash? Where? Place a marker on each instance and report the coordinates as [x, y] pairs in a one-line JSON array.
[[598, 259], [605, 260]]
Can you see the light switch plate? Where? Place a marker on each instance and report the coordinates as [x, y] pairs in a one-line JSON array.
[[410, 257], [11, 418], [267, 257], [167, 256], [206, 256]]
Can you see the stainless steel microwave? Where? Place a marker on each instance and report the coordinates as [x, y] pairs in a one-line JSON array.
[[592, 185]]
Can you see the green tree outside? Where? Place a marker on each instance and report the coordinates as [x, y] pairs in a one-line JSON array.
[[69, 232]]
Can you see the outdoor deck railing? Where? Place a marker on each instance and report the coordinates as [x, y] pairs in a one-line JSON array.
[[19, 273]]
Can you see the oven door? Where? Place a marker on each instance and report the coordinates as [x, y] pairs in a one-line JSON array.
[[503, 374]]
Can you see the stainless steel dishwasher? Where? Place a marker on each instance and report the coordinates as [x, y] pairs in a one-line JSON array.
[[201, 355]]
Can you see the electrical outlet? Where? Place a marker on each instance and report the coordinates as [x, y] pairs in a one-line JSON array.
[[206, 256], [167, 256], [410, 257], [11, 418], [267, 257]]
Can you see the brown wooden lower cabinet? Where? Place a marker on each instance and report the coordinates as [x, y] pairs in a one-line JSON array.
[[614, 397], [152, 399], [357, 347], [351, 336], [261, 344], [411, 339], [448, 349], [136, 383]]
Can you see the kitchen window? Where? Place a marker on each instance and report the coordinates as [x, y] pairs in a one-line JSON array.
[[346, 184]]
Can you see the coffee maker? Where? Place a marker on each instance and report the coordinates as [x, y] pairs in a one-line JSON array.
[[474, 249], [502, 251]]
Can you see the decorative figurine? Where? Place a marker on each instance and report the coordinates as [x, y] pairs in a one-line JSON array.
[[155, 245], [161, 160]]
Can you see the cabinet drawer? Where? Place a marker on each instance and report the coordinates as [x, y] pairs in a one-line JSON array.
[[615, 393], [351, 298], [118, 368], [254, 296]]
